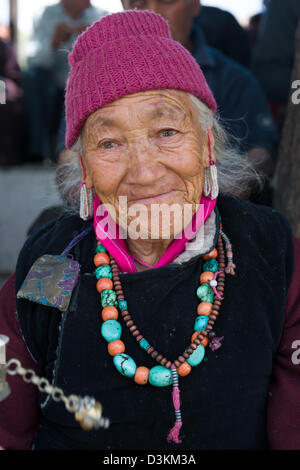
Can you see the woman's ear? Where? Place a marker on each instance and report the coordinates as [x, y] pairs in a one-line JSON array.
[[85, 174], [209, 148]]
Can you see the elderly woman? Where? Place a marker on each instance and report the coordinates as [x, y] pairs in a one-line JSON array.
[[171, 321]]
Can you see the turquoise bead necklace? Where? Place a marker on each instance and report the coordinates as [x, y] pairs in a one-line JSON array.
[[167, 373]]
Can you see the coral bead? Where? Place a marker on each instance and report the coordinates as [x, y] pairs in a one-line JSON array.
[[116, 347], [207, 276], [184, 369], [101, 258], [211, 254], [141, 375], [104, 283], [195, 335], [109, 313], [204, 308]]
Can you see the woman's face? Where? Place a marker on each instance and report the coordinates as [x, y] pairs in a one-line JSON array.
[[149, 147]]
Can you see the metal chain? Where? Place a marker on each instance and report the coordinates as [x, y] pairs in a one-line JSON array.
[[72, 403]]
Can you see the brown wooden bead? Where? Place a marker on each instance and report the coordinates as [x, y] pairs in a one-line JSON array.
[[159, 357], [139, 338], [194, 346], [129, 323], [197, 341], [150, 350], [186, 355], [190, 351], [213, 317], [164, 361], [120, 297], [136, 333], [181, 359], [217, 302], [132, 328], [168, 364], [126, 318], [177, 363], [117, 284], [154, 354], [124, 313], [209, 327], [195, 335]]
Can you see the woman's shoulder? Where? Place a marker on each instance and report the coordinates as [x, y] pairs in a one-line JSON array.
[[50, 238], [245, 214], [255, 228]]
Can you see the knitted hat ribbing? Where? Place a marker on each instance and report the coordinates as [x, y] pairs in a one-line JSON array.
[[125, 53]]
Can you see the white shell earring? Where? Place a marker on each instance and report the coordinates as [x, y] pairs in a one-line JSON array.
[[86, 202], [210, 186]]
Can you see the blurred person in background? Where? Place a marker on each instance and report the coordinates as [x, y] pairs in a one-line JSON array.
[[255, 25], [44, 81], [223, 31], [274, 55], [12, 120]]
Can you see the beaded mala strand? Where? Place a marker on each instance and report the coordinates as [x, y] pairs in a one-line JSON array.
[[210, 292]]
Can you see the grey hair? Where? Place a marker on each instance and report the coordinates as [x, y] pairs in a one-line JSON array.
[[236, 174]]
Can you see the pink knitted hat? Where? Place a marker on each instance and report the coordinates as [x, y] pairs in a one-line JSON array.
[[126, 53]]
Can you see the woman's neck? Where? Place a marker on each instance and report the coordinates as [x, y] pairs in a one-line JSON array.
[[146, 251]]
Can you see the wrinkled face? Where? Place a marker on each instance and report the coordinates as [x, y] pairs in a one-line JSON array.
[[178, 13], [149, 147]]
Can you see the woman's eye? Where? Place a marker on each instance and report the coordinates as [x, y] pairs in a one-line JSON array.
[[107, 145], [168, 132]]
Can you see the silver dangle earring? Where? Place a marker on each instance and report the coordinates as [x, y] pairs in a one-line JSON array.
[[86, 202], [210, 186]]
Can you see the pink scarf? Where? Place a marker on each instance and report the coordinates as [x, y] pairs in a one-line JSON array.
[[116, 245]]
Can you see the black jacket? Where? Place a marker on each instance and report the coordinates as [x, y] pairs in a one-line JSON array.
[[223, 400]]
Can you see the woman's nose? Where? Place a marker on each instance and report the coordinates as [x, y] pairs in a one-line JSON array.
[[145, 166]]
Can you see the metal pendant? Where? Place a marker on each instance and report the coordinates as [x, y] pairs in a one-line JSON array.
[[89, 415]]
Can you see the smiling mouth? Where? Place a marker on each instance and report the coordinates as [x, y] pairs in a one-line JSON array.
[[153, 199]]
